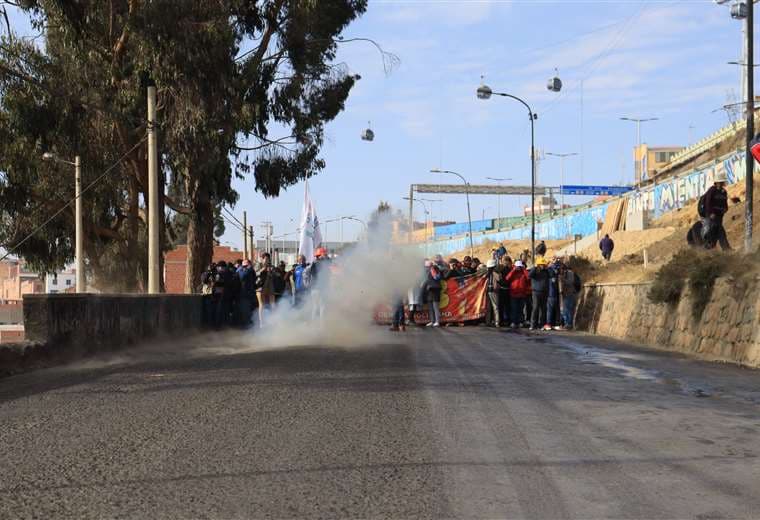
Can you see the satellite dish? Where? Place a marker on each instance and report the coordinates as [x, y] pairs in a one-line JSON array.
[[554, 84], [368, 134]]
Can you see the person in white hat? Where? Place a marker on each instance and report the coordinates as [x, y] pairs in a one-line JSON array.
[[715, 206]]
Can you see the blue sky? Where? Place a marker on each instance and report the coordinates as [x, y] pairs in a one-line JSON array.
[[648, 59], [663, 59]]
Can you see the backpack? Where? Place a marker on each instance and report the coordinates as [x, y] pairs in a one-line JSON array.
[[577, 284], [701, 205]]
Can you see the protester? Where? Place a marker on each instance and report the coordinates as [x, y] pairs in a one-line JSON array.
[[493, 316], [504, 268], [279, 282], [715, 207], [500, 252], [432, 291], [541, 249], [207, 289], [539, 282], [553, 298], [519, 290], [466, 267], [477, 265], [220, 303], [569, 286], [299, 281], [454, 269], [232, 294], [265, 285], [319, 273], [247, 277], [606, 245]]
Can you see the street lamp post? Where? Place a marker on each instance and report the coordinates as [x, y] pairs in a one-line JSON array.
[[485, 92], [467, 194], [78, 221], [640, 161], [562, 157], [498, 197], [427, 213]]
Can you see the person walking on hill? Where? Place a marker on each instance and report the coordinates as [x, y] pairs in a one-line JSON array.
[[715, 206], [519, 290], [539, 283], [541, 249], [606, 245]]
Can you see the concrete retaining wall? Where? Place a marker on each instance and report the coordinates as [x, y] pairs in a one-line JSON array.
[[98, 320], [729, 329], [60, 327]]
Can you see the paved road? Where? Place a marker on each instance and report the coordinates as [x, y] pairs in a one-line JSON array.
[[461, 423]]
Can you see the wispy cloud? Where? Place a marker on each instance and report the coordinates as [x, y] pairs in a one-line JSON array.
[[461, 12]]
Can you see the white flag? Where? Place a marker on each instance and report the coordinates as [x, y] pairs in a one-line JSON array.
[[311, 236]]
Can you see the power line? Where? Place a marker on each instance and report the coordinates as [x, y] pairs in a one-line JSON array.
[[84, 190]]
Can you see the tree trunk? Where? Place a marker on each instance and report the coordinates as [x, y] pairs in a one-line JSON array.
[[200, 237]]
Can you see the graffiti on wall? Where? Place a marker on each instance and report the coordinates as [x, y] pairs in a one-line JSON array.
[[675, 193]]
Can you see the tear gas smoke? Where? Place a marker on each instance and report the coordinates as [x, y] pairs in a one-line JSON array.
[[373, 272]]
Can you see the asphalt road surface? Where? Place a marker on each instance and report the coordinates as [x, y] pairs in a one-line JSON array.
[[450, 423]]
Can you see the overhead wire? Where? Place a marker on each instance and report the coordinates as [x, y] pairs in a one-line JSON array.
[[81, 193]]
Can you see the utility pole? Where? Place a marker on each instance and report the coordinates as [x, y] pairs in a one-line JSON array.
[[749, 161], [411, 212], [245, 234], [79, 239], [252, 244], [154, 280]]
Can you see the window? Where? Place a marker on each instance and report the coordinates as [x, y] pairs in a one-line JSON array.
[[68, 282], [662, 157]]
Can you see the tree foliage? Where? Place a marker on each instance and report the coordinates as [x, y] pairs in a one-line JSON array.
[[244, 88]]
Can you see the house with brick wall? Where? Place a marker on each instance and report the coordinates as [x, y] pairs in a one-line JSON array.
[[175, 265]]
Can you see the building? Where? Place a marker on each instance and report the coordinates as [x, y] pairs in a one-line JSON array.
[[649, 159], [65, 281], [16, 281], [175, 265], [545, 205]]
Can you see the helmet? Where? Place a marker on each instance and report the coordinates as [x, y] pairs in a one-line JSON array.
[[519, 264], [720, 176], [491, 263], [321, 251], [541, 261]]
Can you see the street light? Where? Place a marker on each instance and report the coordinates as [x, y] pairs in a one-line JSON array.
[[424, 207], [498, 197], [78, 223], [485, 92], [467, 194], [562, 157], [639, 162]]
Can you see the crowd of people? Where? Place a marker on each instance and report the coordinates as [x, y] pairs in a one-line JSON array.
[[542, 297], [236, 291]]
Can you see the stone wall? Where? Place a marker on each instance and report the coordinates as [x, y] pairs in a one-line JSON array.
[[97, 321], [729, 329]]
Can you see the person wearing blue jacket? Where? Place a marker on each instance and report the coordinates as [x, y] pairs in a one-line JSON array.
[[299, 280]]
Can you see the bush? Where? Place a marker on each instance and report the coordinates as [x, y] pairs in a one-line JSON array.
[[699, 269], [580, 265], [702, 276], [670, 280]]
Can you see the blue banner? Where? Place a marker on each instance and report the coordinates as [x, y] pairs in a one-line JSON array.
[[594, 190]]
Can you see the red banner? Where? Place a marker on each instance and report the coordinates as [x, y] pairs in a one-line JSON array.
[[462, 299]]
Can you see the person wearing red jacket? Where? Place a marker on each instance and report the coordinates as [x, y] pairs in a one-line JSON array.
[[519, 291]]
